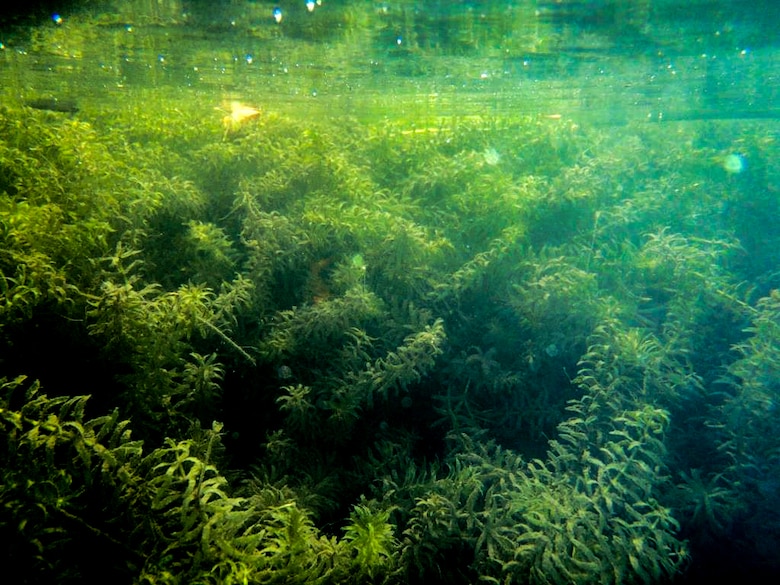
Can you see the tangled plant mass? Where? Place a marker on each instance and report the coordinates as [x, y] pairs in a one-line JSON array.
[[428, 362]]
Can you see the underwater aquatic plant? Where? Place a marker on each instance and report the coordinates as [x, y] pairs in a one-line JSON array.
[[201, 378], [709, 503], [297, 406], [426, 308], [399, 368], [159, 516], [369, 536]]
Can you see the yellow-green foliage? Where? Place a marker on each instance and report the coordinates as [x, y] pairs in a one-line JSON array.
[[54, 461], [398, 369], [340, 400], [151, 331], [369, 537], [315, 329], [747, 423], [556, 297], [57, 208], [595, 517], [390, 318], [163, 515], [588, 514]]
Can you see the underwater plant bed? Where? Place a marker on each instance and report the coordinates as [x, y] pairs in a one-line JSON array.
[[242, 346]]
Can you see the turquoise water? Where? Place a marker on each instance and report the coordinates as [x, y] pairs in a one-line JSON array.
[[390, 292]]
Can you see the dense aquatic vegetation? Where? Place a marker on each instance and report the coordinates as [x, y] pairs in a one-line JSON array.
[[485, 350]]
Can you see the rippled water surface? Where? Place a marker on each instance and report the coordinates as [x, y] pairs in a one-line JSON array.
[[608, 61]]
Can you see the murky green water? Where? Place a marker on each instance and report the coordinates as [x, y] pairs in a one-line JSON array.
[[390, 292], [611, 62]]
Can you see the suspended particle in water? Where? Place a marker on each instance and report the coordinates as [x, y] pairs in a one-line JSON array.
[[734, 163], [358, 262], [492, 156]]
